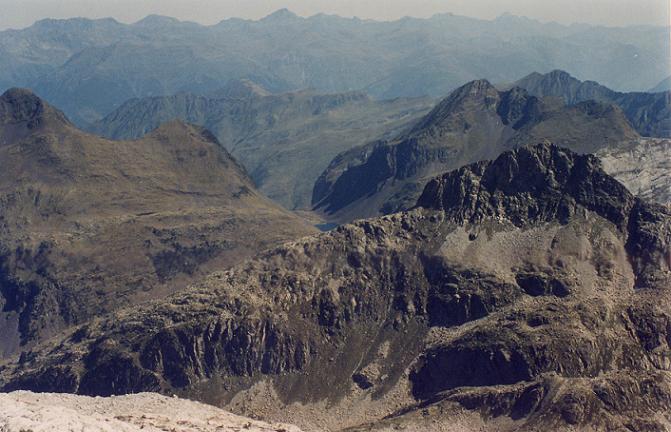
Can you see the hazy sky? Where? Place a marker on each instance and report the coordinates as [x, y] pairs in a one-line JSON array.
[[21, 13]]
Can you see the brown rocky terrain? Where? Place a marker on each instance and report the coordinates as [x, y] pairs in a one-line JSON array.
[[528, 293], [88, 224], [476, 122]]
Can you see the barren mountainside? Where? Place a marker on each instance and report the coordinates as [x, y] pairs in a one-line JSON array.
[[88, 224], [530, 293], [285, 141], [475, 122], [649, 113]]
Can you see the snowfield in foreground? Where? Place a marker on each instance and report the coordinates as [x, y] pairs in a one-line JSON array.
[[148, 412]]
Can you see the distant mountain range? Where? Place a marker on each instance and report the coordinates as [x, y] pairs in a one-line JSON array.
[[665, 85], [91, 67], [476, 122], [649, 113], [89, 225], [285, 141]]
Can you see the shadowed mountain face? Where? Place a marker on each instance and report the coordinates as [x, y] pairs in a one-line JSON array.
[[649, 113], [91, 67], [530, 292], [285, 141], [89, 224], [476, 122]]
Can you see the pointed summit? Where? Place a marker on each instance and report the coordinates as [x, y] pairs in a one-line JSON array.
[[280, 15], [475, 87], [478, 94]]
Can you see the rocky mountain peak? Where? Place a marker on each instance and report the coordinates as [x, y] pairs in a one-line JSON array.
[[477, 89], [538, 183], [19, 104], [21, 111], [560, 75], [473, 95]]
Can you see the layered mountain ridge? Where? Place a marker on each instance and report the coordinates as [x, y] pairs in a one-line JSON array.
[[523, 293], [88, 224], [475, 122], [285, 141], [89, 68], [649, 113]]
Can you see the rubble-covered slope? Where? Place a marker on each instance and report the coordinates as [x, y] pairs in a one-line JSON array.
[[526, 293], [146, 412]]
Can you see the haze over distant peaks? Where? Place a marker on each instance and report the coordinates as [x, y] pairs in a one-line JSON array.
[[285, 140], [89, 68], [281, 15], [665, 85], [649, 113], [156, 21]]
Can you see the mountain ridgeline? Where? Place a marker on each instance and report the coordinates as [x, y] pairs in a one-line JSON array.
[[497, 259], [475, 122], [649, 113], [285, 141], [520, 294], [89, 68], [89, 224]]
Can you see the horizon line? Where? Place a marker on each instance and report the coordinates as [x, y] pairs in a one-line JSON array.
[[290, 14]]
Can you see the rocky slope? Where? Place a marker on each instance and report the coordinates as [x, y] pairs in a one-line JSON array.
[[643, 167], [91, 67], [285, 141], [88, 224], [147, 412], [526, 293], [476, 122], [649, 113]]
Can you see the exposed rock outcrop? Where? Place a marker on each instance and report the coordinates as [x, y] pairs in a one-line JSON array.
[[531, 292], [476, 122], [88, 224], [643, 166]]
